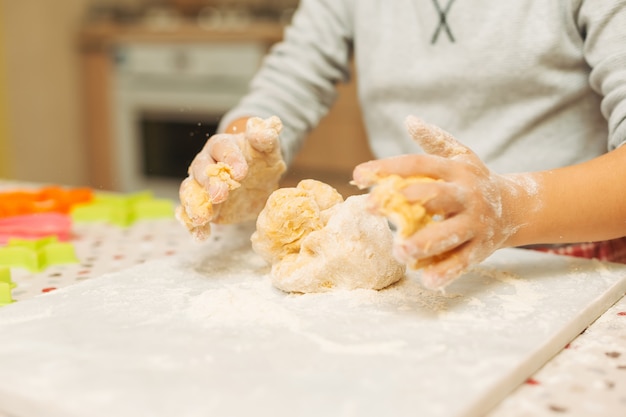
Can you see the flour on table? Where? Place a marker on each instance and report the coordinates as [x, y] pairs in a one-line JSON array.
[[316, 242]]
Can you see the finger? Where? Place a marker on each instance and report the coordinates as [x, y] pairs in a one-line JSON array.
[[224, 148], [198, 167], [437, 197], [444, 271], [434, 239], [216, 189], [265, 141], [439, 275], [197, 207], [368, 173], [434, 140], [263, 135]]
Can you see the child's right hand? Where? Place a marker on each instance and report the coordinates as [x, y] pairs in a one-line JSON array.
[[231, 177]]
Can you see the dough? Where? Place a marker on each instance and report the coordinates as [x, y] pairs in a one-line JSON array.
[[245, 199], [198, 210], [317, 242], [407, 216]]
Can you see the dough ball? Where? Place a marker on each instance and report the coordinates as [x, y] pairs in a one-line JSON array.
[[317, 242], [289, 215]]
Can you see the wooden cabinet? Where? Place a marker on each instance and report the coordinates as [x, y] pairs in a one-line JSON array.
[[98, 127]]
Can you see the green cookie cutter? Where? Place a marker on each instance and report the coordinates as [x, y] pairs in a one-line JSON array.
[[37, 255], [123, 210], [6, 285]]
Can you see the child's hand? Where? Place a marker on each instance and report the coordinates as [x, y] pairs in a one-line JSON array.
[[469, 204], [231, 178]]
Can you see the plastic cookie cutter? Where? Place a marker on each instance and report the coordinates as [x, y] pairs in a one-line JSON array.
[[37, 255], [6, 285], [123, 210], [44, 200], [35, 226]]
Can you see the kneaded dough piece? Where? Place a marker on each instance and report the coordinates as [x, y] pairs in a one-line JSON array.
[[290, 214], [199, 207], [222, 172], [408, 217], [316, 242]]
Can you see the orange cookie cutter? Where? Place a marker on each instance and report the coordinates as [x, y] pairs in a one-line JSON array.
[[44, 200]]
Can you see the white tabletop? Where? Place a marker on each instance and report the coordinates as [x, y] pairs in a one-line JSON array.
[[586, 378]]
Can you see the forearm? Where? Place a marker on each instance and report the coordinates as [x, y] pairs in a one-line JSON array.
[[579, 203]]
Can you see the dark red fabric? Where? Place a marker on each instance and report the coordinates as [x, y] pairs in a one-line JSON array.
[[608, 250]]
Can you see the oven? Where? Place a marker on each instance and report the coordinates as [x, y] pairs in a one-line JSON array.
[[168, 100]]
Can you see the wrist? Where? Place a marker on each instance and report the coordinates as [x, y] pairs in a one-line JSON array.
[[237, 125], [520, 207]]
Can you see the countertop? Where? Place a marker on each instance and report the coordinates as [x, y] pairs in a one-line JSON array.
[[586, 378]]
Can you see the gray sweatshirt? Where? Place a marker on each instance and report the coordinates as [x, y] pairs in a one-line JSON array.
[[526, 84]]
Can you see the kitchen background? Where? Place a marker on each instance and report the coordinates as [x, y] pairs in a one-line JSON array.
[[86, 85]]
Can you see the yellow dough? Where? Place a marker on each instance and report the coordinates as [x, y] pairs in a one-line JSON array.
[[317, 242], [245, 199], [407, 216], [223, 173]]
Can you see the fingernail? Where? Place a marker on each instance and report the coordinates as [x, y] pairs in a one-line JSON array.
[[364, 174]]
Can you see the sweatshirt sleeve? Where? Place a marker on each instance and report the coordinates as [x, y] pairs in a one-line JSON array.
[[602, 25], [297, 79]]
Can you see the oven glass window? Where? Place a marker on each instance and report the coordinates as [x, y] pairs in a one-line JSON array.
[[169, 145]]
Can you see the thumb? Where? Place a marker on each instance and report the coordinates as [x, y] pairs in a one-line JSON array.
[[263, 134], [433, 140]]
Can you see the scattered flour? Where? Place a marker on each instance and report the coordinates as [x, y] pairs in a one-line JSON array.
[[240, 306]]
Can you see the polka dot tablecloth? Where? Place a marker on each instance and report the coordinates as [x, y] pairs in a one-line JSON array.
[[587, 378], [102, 248]]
